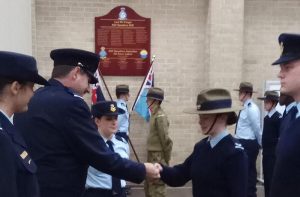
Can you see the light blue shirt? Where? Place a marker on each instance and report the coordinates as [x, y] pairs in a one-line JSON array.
[[98, 179], [11, 119], [213, 141], [298, 107], [123, 119], [289, 107], [272, 112], [248, 125]]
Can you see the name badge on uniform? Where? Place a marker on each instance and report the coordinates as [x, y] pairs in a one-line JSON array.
[[24, 154]]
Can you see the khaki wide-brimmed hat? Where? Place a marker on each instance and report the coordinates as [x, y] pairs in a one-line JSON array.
[[155, 93], [245, 87], [215, 101], [270, 95], [122, 88]]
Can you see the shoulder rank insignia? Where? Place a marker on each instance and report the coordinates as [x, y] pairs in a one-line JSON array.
[[24, 154], [238, 145]]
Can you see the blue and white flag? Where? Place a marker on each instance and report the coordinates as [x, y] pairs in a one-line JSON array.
[[140, 105]]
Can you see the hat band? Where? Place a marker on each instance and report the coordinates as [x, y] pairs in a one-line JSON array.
[[157, 96], [271, 97], [211, 105], [246, 89]]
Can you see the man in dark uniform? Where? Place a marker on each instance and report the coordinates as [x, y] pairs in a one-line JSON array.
[[270, 136], [61, 135], [18, 73], [286, 177]]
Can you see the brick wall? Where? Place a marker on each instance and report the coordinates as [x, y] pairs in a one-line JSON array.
[[197, 43]]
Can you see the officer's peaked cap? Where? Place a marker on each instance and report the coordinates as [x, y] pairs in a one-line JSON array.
[[86, 60], [106, 108], [20, 67], [215, 101], [290, 48]]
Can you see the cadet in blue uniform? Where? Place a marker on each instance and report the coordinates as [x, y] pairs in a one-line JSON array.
[[98, 183], [61, 134], [286, 177], [270, 136], [249, 133], [218, 164], [122, 93], [18, 73]]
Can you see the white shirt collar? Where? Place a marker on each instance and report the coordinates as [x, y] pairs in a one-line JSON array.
[[11, 119], [213, 141], [270, 113], [289, 107]]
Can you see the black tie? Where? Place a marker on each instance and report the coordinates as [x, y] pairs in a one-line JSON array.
[[238, 117], [116, 183]]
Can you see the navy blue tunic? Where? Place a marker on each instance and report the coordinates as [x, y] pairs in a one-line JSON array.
[[215, 172], [270, 138], [63, 140], [286, 176], [17, 170]]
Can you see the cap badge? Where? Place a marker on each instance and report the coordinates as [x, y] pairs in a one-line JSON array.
[[112, 108]]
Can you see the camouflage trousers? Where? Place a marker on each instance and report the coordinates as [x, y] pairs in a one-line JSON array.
[[156, 188]]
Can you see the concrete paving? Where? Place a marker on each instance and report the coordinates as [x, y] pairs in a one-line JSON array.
[[186, 191]]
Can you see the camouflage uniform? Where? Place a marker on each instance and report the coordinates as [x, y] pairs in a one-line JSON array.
[[159, 147]]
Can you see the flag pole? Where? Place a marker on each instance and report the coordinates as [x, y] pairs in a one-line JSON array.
[[102, 78], [129, 140], [153, 58]]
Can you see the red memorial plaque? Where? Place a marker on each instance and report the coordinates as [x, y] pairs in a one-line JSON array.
[[122, 40]]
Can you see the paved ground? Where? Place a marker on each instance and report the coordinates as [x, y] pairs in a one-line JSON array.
[[138, 191]]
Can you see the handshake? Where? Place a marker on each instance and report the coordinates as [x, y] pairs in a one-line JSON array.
[[153, 170]]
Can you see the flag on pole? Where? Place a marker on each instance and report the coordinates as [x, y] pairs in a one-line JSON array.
[[97, 94], [140, 105]]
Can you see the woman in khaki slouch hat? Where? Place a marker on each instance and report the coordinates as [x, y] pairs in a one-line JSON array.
[[218, 164]]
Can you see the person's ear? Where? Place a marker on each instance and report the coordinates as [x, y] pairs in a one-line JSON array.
[[75, 72], [15, 87]]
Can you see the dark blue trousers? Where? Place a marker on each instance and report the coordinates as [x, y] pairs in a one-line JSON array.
[[251, 148], [268, 167], [98, 192]]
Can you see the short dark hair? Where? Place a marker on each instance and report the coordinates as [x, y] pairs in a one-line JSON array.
[[118, 94], [62, 71], [5, 81]]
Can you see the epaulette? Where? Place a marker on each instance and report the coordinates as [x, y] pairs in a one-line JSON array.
[[249, 104], [120, 139], [238, 145], [160, 115]]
